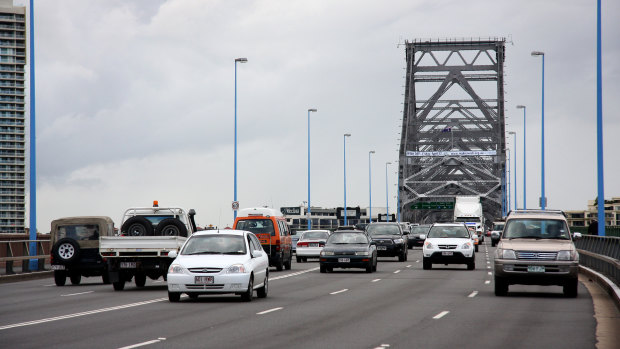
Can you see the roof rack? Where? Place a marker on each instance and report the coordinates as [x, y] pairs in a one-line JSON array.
[[534, 211]]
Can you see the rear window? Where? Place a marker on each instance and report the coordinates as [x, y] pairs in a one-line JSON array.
[[420, 230], [79, 231], [256, 226], [498, 227], [347, 238], [314, 235], [448, 232], [383, 229]]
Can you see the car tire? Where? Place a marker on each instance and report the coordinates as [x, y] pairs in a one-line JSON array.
[[369, 267], [137, 226], [247, 295], [493, 243], [472, 264], [174, 296], [570, 288], [171, 227], [75, 277], [299, 259], [60, 277], [140, 279], [280, 265], [118, 285], [426, 264], [374, 268], [322, 269], [401, 258], [406, 255], [476, 248], [287, 264], [66, 250], [501, 287], [262, 292]]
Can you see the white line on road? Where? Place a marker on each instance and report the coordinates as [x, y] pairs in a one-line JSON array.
[[487, 282], [382, 346], [490, 273], [292, 274], [473, 294], [144, 343], [375, 280], [343, 290], [488, 267], [440, 315], [75, 294], [418, 261], [49, 285], [269, 311], [396, 271], [409, 266]]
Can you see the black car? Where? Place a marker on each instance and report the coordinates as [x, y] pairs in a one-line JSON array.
[[348, 249], [390, 239], [418, 235]]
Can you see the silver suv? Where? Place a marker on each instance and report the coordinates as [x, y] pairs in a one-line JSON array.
[[536, 248]]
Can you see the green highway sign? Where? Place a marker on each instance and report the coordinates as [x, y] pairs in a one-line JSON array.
[[433, 206]]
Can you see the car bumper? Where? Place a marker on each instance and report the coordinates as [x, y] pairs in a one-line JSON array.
[[390, 250], [457, 257], [354, 261], [519, 271], [225, 283], [416, 242], [309, 251]]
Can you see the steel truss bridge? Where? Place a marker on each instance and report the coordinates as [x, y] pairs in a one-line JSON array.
[[453, 131]]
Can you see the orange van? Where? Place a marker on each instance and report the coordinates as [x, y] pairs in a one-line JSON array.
[[271, 229]]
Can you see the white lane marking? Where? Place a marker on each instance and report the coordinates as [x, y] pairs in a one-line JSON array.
[[343, 290], [440, 315], [90, 312], [49, 285], [269, 311], [75, 294], [488, 267], [490, 273], [382, 346], [292, 274], [473, 294], [158, 281], [488, 262], [487, 282], [375, 280], [409, 266], [418, 261], [144, 343], [396, 271]]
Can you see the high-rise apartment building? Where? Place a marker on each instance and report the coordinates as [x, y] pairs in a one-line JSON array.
[[12, 120]]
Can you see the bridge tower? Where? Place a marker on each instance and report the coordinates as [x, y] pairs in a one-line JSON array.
[[453, 131]]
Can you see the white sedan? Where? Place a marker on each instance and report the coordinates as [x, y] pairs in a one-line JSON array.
[[448, 243], [311, 244], [219, 262]]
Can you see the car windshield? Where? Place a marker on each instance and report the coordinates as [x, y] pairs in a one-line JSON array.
[[256, 226], [498, 227], [448, 232], [420, 230], [79, 231], [315, 235], [536, 229], [347, 238], [383, 229], [215, 244]]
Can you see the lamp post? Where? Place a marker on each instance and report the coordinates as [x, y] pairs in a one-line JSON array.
[[524, 172], [514, 155], [543, 198], [237, 60], [599, 125], [398, 197], [387, 200], [33, 263], [509, 193], [369, 188], [309, 220], [345, 176]]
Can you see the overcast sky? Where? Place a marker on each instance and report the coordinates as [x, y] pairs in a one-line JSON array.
[[135, 98]]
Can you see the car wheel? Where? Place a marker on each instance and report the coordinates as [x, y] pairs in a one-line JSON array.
[[118, 285], [374, 268], [60, 277], [426, 264], [501, 287], [66, 250], [406, 255], [137, 226], [476, 248], [570, 288], [299, 259], [140, 279], [369, 267], [492, 243], [262, 292], [247, 295], [329, 269], [280, 265], [322, 269], [287, 264], [472, 264], [75, 277], [171, 227], [401, 258], [105, 277], [174, 296]]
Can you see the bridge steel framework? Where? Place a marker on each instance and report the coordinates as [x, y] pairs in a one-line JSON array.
[[453, 130]]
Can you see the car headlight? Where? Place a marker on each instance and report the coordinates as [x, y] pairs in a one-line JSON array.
[[398, 241], [327, 253], [506, 254], [428, 245], [176, 269], [566, 255], [466, 246], [362, 253], [236, 269]]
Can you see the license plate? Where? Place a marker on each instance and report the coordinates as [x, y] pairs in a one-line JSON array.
[[313, 245], [344, 260], [128, 265], [203, 280], [535, 269], [447, 253], [58, 267], [381, 248]]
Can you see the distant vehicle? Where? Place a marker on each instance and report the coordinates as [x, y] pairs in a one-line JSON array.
[[390, 239], [148, 234], [474, 236], [75, 248], [270, 226], [536, 248], [448, 243], [468, 209], [418, 235], [219, 262], [311, 244], [496, 232], [348, 249], [295, 235]]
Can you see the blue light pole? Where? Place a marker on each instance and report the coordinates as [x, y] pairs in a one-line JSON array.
[[599, 124], [524, 172], [508, 191], [387, 200], [345, 176], [33, 158], [369, 188], [514, 155], [543, 198], [309, 214], [237, 60]]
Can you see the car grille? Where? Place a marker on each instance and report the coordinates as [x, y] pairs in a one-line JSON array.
[[384, 242], [204, 287], [447, 247], [345, 253], [205, 270], [547, 256]]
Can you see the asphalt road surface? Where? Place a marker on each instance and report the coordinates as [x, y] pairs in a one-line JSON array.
[[399, 306]]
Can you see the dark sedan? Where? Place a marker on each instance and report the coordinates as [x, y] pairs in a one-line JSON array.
[[418, 235], [390, 239], [348, 249]]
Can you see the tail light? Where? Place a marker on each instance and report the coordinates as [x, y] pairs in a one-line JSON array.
[[305, 244], [108, 254]]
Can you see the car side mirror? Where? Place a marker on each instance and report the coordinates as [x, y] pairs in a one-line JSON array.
[[576, 236], [173, 254], [257, 254]]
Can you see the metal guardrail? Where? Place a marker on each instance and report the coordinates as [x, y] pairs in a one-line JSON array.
[[11, 252], [601, 253]]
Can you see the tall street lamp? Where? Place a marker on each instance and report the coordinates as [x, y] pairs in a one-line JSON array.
[[369, 188], [237, 60], [398, 196], [309, 220], [387, 200], [543, 198], [345, 176], [508, 192], [524, 172], [514, 155], [599, 125]]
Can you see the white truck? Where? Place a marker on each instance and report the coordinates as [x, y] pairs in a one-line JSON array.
[[468, 209], [146, 237]]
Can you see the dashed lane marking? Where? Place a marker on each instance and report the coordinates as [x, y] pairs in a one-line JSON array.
[[292, 274], [490, 273], [144, 343], [487, 282], [269, 311], [396, 271], [440, 315], [473, 294], [343, 290], [375, 280], [75, 294]]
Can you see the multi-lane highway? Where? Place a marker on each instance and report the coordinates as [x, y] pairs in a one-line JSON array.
[[399, 306]]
